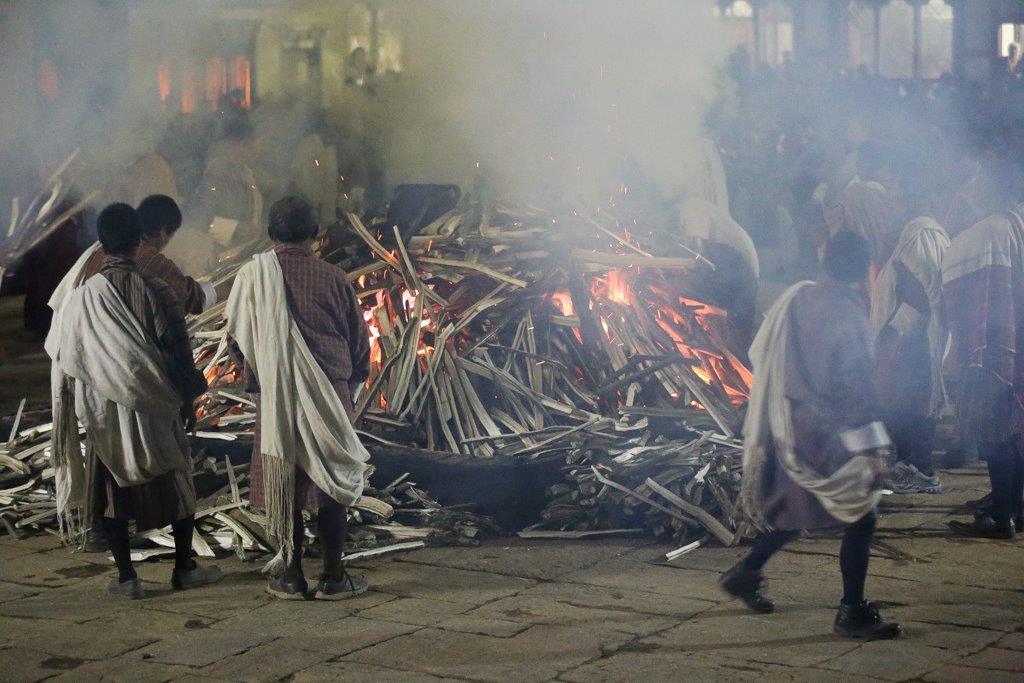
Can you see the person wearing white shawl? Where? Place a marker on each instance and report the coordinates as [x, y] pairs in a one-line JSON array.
[[910, 339], [298, 327], [122, 366], [812, 440]]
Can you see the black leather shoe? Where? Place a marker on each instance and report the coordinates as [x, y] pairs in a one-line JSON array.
[[864, 621], [746, 585], [985, 526], [288, 588]]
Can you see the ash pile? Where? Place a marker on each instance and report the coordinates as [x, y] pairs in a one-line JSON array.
[[528, 366]]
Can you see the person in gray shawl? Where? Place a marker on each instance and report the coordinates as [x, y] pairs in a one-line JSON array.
[[812, 438], [122, 366]]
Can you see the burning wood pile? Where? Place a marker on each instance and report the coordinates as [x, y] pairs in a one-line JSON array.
[[509, 334], [503, 332]]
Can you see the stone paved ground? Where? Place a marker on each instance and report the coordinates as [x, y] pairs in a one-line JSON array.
[[533, 611]]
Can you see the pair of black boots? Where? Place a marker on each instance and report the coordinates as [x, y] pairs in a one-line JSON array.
[[854, 621]]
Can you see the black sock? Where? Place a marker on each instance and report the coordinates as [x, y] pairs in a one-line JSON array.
[[854, 555], [767, 545], [116, 531], [333, 523], [182, 533]]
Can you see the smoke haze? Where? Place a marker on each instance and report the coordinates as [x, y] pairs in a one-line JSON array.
[[553, 100], [547, 101]]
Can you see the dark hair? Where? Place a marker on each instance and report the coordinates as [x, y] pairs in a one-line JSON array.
[[847, 257], [119, 228], [292, 220], [159, 215]]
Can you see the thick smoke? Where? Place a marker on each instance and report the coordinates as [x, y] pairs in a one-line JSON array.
[[539, 101], [553, 100]]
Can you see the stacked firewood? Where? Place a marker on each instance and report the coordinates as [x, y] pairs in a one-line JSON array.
[[395, 517], [518, 333], [501, 332], [31, 224]]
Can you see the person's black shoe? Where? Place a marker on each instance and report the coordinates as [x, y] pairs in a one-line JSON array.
[[864, 621], [746, 585], [347, 586], [95, 542], [288, 588], [985, 526], [198, 575]]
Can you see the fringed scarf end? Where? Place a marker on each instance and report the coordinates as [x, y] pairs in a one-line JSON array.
[[279, 485]]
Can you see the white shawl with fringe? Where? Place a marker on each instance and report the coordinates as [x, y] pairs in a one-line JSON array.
[[109, 375], [302, 420], [850, 492]]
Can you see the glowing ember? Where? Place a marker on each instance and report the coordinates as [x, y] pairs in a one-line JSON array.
[[563, 301]]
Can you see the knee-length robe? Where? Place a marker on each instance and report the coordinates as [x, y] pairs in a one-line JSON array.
[[160, 491], [812, 358], [983, 291]]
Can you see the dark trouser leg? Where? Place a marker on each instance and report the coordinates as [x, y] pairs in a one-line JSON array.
[[767, 545], [1001, 458], [117, 535], [333, 523], [1017, 490], [922, 433], [913, 436], [182, 533], [853, 558]]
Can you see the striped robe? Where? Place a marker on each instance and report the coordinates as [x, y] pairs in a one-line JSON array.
[[983, 290]]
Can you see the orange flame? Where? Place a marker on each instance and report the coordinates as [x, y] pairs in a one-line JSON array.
[[563, 300]]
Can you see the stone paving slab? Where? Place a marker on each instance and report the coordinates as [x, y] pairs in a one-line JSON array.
[[264, 663], [122, 670], [538, 654], [528, 559], [445, 584], [281, 618], [563, 605], [996, 658], [21, 665], [547, 602], [347, 672], [889, 660], [950, 673], [347, 635], [202, 647], [77, 641]]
